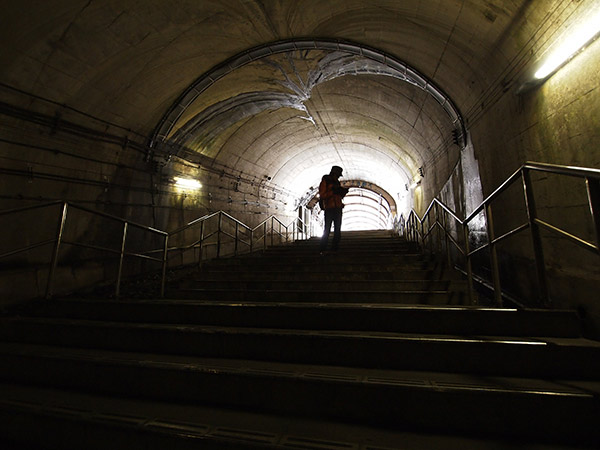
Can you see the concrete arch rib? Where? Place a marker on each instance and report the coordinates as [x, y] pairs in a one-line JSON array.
[[397, 69]]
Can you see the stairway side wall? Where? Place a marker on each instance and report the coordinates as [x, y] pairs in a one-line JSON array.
[[558, 123], [52, 153]]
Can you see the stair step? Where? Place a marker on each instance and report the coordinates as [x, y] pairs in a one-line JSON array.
[[441, 297], [464, 321], [319, 286], [527, 357], [374, 398], [262, 265], [364, 348], [324, 260], [315, 275], [72, 420], [383, 248]]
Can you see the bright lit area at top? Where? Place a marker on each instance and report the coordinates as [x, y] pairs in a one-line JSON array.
[[575, 37], [366, 210]]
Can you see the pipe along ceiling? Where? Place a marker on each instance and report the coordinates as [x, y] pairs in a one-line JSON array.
[[288, 111]]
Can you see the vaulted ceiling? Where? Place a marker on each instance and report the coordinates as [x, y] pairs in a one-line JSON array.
[[276, 89]]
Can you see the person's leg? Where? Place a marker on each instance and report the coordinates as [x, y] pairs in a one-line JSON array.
[[337, 228], [328, 219]]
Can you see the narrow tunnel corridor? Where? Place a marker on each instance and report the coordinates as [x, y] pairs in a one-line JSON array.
[[149, 137]]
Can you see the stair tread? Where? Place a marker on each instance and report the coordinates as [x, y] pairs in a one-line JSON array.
[[303, 305], [392, 316], [350, 334], [318, 353], [319, 291], [198, 421], [437, 381], [321, 283]]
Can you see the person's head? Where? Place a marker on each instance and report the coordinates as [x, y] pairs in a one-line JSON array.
[[336, 171]]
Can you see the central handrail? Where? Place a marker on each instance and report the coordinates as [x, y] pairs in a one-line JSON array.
[[267, 226], [413, 227]]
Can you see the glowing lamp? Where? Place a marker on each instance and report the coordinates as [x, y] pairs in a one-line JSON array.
[[577, 37], [187, 183]]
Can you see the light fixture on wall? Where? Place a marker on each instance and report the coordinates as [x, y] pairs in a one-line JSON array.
[[415, 184], [579, 35], [187, 183]]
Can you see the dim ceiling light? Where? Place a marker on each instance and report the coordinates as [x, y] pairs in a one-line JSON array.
[[577, 37], [187, 183]]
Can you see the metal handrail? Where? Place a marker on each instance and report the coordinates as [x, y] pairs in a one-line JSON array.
[[58, 241], [240, 228], [26, 208], [220, 231], [413, 227]]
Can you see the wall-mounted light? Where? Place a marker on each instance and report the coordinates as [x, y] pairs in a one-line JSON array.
[[415, 184], [187, 183], [580, 34]]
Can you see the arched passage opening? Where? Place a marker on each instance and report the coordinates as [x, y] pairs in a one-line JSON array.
[[366, 210], [282, 114], [367, 206]]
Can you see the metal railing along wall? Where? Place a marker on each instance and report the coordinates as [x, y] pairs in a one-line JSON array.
[[438, 217], [58, 241], [218, 230]]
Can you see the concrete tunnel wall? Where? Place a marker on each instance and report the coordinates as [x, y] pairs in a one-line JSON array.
[[85, 85]]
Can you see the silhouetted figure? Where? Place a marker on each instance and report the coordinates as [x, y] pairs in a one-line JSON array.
[[331, 194]]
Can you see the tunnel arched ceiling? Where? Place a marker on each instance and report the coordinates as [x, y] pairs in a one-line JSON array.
[[291, 110], [289, 115]]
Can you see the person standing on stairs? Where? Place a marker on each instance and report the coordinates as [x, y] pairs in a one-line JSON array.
[[331, 194]]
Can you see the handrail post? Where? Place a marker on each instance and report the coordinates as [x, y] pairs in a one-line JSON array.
[[265, 235], [447, 239], [121, 256], [55, 251], [237, 236], [429, 235], [439, 228], [201, 243], [469, 265], [536, 239], [415, 232], [418, 237], [164, 266], [593, 192], [493, 256], [219, 223], [272, 230]]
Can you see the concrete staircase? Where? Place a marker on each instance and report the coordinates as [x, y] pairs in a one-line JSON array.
[[371, 347]]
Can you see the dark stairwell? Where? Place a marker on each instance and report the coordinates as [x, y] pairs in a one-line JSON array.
[[372, 347]]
